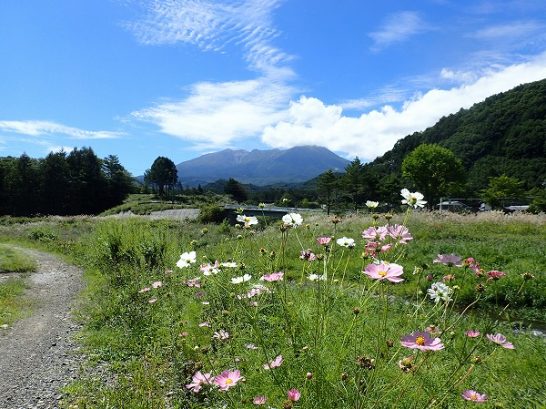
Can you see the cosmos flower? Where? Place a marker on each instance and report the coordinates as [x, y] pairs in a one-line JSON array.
[[414, 199], [385, 271], [474, 396], [194, 282], [209, 269], [399, 233], [241, 279], [324, 240], [186, 259], [251, 346], [294, 395], [229, 264], [292, 219], [157, 284], [375, 233], [316, 277], [259, 400], [495, 275], [274, 363], [449, 260], [308, 255], [422, 341], [273, 277], [144, 290], [472, 333], [500, 340], [346, 242], [247, 220], [371, 204], [257, 289], [439, 292], [227, 379], [221, 335], [198, 380]]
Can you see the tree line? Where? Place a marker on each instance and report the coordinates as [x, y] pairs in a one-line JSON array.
[[62, 184]]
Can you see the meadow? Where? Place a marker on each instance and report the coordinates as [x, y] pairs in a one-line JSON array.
[[410, 310]]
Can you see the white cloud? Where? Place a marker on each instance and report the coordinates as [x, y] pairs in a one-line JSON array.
[[512, 30], [398, 27], [215, 114], [39, 128], [369, 135], [56, 149]]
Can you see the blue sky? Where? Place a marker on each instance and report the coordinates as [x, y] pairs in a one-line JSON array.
[[179, 78]]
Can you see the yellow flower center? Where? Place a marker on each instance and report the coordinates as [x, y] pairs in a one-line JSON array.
[[473, 396], [420, 341], [229, 381], [382, 273]]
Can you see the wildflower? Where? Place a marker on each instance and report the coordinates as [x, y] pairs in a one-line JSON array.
[[194, 282], [205, 324], [406, 364], [414, 199], [309, 375], [449, 260], [422, 341], [184, 334], [251, 346], [221, 335], [323, 240], [257, 289], [472, 333], [371, 204], [365, 362], [480, 288], [259, 400], [375, 233], [242, 279], [527, 276], [274, 363], [316, 277], [186, 259], [292, 219], [229, 264], [500, 340], [198, 380], [247, 220], [346, 242], [261, 205], [273, 277], [227, 379], [439, 292], [385, 271], [400, 233], [209, 269], [152, 300], [294, 395], [495, 275], [474, 396], [144, 290], [157, 284], [308, 255]]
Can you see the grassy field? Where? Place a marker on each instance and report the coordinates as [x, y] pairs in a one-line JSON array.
[[161, 329]]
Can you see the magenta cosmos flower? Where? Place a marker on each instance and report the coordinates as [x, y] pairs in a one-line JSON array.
[[500, 340], [227, 379], [385, 271], [422, 341], [274, 363], [474, 396], [273, 277], [495, 275], [198, 380], [294, 395]]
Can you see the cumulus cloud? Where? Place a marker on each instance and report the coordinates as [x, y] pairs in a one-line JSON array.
[[311, 121], [398, 27], [40, 128]]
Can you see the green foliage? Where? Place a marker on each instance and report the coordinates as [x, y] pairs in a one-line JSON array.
[[235, 190], [502, 188], [212, 214], [163, 173], [13, 260], [12, 303], [328, 185]]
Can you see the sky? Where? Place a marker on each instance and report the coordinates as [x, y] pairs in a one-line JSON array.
[[179, 78]]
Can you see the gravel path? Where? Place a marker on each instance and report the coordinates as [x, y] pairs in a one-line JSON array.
[[38, 355]]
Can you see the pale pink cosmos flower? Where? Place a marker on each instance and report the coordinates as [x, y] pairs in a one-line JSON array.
[[222, 335], [257, 289], [500, 340], [324, 240], [422, 341], [157, 284], [194, 282], [385, 271], [144, 290], [474, 396], [375, 233], [209, 269], [495, 275], [449, 260], [273, 277], [386, 248], [250, 346], [400, 233], [294, 395], [274, 363], [152, 300], [259, 400], [307, 255], [198, 380], [472, 333], [227, 379]]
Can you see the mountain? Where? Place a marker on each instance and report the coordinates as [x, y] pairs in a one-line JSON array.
[[504, 134], [260, 167]]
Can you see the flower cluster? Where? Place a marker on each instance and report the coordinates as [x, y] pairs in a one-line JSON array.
[[382, 239], [440, 292]]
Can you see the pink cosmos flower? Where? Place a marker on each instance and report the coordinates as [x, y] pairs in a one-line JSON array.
[[144, 290], [259, 400], [400, 233], [198, 380], [308, 255], [422, 341], [385, 271], [157, 284], [274, 363], [324, 240], [273, 277], [386, 248], [449, 260], [474, 396], [500, 340], [375, 233], [194, 282], [227, 379], [472, 333], [209, 269], [222, 335], [495, 275], [294, 395], [152, 300]]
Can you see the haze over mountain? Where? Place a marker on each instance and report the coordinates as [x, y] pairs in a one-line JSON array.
[[260, 167]]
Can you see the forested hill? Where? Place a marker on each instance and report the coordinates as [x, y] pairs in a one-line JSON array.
[[505, 134]]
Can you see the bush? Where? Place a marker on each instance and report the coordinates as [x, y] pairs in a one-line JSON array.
[[212, 214]]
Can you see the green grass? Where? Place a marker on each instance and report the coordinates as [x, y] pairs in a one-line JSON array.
[[12, 260], [12, 302]]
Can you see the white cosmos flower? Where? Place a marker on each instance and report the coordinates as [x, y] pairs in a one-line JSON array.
[[346, 242], [414, 199], [440, 292], [242, 279], [316, 277], [247, 220], [292, 219], [229, 264], [186, 259], [372, 205]]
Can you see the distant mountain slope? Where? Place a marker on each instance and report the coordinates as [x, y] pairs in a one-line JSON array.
[[505, 134], [260, 167]]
